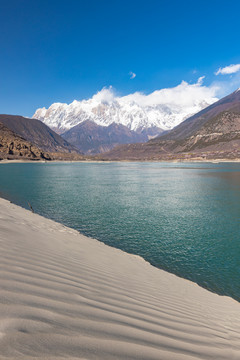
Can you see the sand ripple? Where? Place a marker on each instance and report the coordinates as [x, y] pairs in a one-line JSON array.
[[63, 295]]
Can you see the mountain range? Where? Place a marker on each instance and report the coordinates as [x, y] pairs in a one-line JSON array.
[[211, 133], [98, 124], [135, 111]]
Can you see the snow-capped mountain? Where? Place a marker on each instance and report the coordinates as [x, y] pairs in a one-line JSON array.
[[162, 109]]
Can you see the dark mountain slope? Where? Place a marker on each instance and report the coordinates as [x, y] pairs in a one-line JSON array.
[[91, 138], [37, 133]]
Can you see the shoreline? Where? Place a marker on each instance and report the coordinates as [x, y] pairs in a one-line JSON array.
[[28, 209], [213, 161], [64, 294]]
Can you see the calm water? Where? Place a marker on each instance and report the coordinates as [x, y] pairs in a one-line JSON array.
[[183, 218]]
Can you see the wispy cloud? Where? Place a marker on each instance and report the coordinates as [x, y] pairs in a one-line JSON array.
[[231, 69], [132, 75], [200, 80]]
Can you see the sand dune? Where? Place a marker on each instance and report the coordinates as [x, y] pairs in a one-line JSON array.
[[66, 296]]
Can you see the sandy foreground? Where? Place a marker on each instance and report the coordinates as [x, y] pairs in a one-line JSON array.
[[66, 296]]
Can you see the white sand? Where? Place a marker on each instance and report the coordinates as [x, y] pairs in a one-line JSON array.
[[65, 296]]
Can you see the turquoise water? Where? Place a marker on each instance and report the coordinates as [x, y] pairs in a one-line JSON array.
[[183, 218]]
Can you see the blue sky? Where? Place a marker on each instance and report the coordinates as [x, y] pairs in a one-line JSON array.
[[58, 51]]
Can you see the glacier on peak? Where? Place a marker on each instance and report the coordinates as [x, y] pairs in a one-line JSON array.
[[162, 109]]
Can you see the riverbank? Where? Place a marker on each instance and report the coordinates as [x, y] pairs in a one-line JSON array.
[[66, 295]]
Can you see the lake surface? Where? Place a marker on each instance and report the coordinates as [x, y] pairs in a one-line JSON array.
[[181, 217]]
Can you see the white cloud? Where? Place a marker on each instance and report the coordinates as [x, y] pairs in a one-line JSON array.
[[231, 69], [105, 96], [184, 94], [132, 75]]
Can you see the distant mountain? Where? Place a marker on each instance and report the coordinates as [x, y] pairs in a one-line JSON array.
[[37, 133], [14, 146], [136, 111], [91, 138], [212, 133]]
